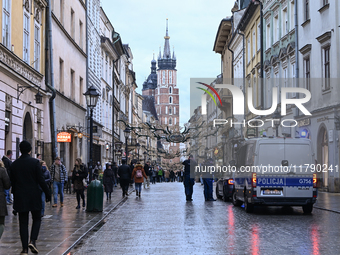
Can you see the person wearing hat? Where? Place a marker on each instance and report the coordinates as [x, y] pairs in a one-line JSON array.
[[26, 177], [59, 179]]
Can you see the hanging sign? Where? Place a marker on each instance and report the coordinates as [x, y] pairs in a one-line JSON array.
[[64, 137]]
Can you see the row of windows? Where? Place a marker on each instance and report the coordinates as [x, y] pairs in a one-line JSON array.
[[325, 67], [159, 110], [170, 100], [170, 90], [73, 90], [164, 79], [72, 23], [6, 32], [171, 121], [280, 30]]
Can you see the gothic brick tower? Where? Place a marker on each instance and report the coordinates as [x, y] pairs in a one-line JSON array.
[[167, 95]]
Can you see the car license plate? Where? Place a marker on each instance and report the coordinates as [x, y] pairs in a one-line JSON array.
[[271, 192]]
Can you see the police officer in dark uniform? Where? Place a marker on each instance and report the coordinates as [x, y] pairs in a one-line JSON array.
[[188, 182], [208, 183]]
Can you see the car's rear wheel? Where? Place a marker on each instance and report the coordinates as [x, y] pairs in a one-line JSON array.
[[217, 193], [235, 201], [307, 209], [225, 197], [249, 208]]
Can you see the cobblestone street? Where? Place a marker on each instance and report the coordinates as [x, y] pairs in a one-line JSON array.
[[162, 222]]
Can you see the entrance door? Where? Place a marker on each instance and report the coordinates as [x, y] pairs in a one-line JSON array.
[[28, 130]]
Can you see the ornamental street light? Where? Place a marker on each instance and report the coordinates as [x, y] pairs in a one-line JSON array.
[[91, 96], [127, 132]]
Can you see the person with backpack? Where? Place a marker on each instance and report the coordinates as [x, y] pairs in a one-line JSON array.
[[138, 174]]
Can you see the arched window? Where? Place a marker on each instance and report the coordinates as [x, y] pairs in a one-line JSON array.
[[170, 90], [157, 100], [170, 121], [166, 110], [174, 110], [170, 100], [165, 121], [170, 110]]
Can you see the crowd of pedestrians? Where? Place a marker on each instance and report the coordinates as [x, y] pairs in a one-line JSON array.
[[32, 184]]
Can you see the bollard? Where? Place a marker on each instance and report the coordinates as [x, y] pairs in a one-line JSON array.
[[95, 193]]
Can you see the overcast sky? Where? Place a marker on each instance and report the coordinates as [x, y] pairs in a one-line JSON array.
[[192, 29]]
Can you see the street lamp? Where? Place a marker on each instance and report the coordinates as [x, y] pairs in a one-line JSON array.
[[127, 132], [138, 147], [91, 96], [277, 121]]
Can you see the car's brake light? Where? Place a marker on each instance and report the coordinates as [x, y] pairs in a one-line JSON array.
[[230, 181], [254, 180], [314, 180]]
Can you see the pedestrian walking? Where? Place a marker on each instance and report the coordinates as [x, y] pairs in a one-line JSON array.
[[147, 172], [124, 177], [208, 183], [154, 176], [115, 172], [26, 177], [7, 160], [172, 176], [160, 174], [138, 175], [58, 178], [68, 184], [166, 175], [4, 184], [79, 174], [108, 180], [47, 178], [188, 182]]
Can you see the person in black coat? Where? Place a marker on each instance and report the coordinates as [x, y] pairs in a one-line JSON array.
[[108, 180], [125, 177], [79, 173], [26, 176], [7, 160], [115, 173], [188, 182]]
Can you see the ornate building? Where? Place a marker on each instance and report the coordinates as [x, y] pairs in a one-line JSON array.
[[162, 84]]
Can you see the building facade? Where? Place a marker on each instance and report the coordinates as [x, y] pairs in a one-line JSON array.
[[69, 30], [22, 69], [319, 54]]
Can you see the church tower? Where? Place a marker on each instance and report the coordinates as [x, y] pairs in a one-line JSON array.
[[167, 94]]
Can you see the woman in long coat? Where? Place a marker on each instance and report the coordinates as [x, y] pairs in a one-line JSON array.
[[78, 175], [4, 184], [108, 180]]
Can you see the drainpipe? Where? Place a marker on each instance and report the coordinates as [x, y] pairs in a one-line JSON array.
[[87, 84], [113, 97], [262, 56], [296, 51], [244, 75], [49, 81]]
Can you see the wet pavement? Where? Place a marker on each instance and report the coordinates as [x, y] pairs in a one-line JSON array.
[[162, 222], [60, 227]]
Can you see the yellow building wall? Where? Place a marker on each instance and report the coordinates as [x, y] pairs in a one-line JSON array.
[[17, 30]]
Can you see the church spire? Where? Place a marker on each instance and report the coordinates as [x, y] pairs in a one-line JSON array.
[[166, 53], [173, 53]]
